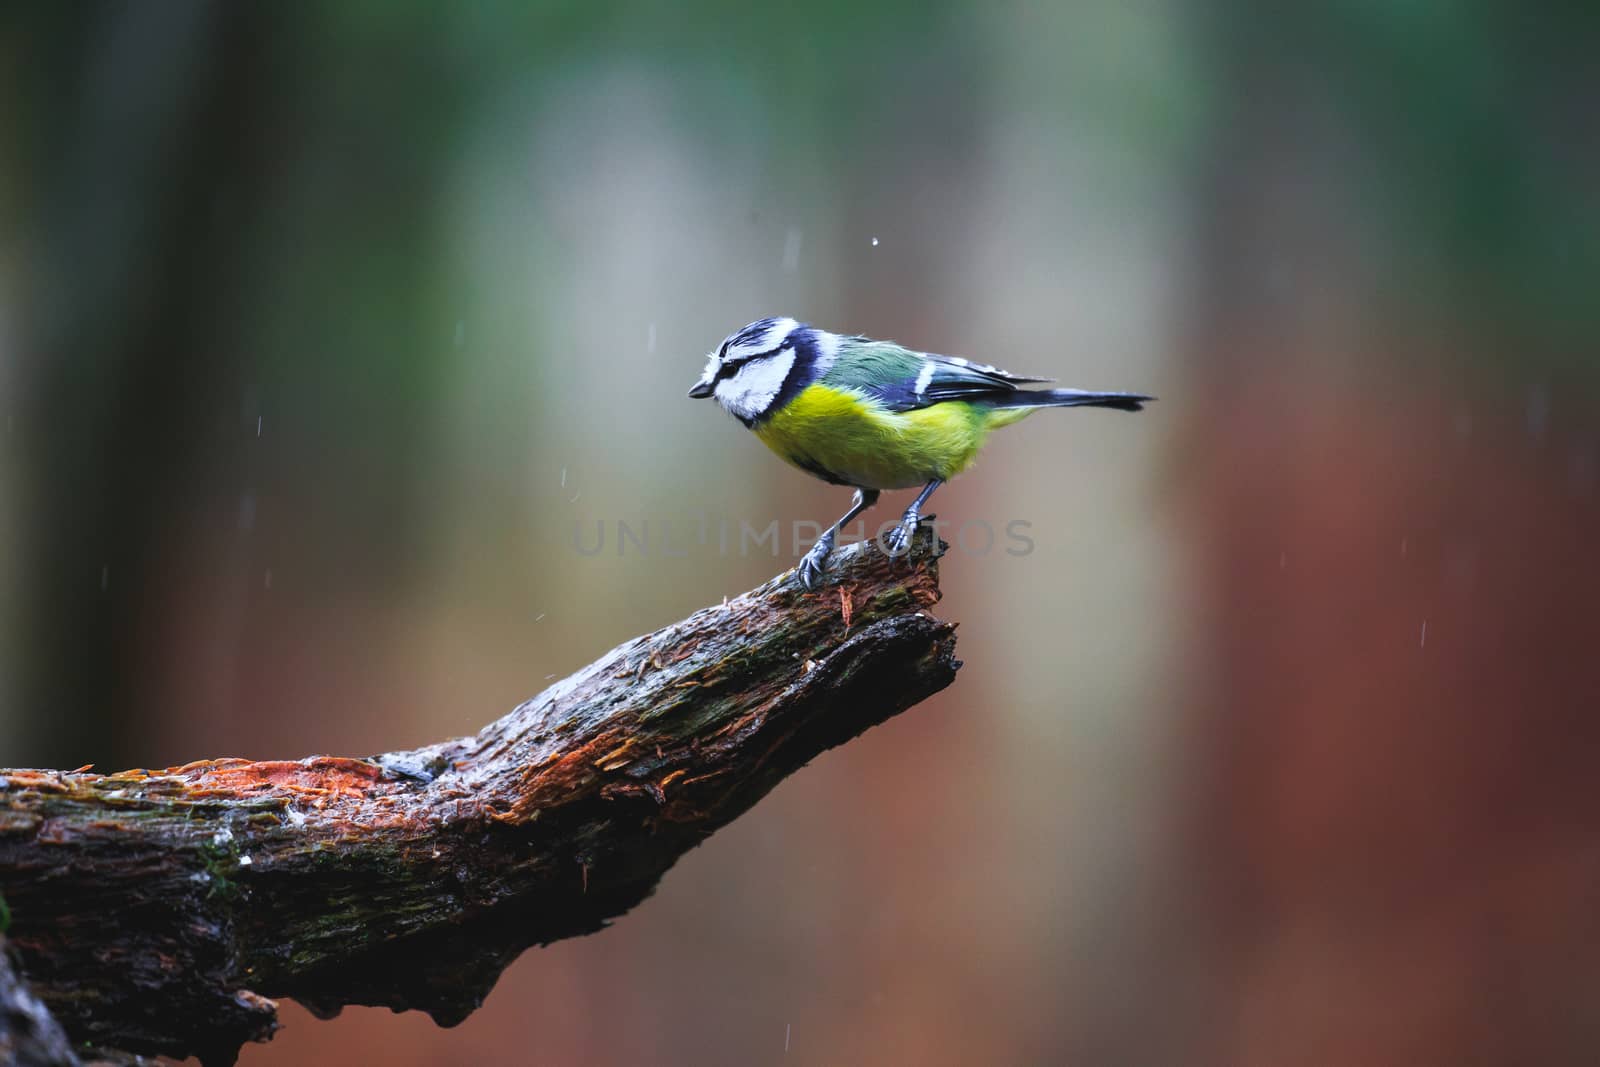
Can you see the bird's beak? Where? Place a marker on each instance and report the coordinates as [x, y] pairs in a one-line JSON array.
[[701, 390]]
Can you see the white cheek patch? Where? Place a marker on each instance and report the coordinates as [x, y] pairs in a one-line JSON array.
[[753, 387]]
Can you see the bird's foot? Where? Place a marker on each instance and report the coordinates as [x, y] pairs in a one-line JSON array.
[[815, 561], [897, 542]]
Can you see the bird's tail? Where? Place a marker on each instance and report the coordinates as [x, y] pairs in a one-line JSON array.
[[1066, 398]]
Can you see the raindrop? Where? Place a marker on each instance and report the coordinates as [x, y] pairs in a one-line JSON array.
[[247, 511], [1423, 643], [1283, 560], [266, 579], [539, 616], [105, 577], [650, 339], [874, 242], [787, 1027], [461, 332], [791, 249], [258, 425]]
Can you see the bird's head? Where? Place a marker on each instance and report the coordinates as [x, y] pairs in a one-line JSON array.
[[747, 372]]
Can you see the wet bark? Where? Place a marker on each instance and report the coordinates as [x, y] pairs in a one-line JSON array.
[[160, 911], [29, 1034]]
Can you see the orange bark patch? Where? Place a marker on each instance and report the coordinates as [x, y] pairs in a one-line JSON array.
[[318, 775]]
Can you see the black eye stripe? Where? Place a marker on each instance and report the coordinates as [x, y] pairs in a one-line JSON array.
[[729, 366]]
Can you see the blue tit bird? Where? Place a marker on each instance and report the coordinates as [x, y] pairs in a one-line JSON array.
[[872, 415]]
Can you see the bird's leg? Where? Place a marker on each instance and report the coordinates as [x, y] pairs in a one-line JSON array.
[[810, 569], [898, 540]]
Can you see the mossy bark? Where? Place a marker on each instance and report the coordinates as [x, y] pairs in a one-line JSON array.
[[158, 911]]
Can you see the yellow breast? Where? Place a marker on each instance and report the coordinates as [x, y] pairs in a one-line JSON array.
[[840, 435]]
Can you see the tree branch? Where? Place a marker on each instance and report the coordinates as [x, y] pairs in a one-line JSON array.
[[157, 911]]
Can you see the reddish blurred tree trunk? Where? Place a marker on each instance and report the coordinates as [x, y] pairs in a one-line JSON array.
[[1397, 817], [1394, 823]]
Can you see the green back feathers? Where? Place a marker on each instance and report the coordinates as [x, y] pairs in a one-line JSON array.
[[869, 366]]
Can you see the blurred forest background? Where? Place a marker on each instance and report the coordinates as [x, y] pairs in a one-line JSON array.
[[321, 325]]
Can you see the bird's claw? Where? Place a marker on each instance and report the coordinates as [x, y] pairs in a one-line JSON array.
[[898, 540], [814, 562]]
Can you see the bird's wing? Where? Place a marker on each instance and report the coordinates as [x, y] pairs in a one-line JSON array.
[[903, 380]]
